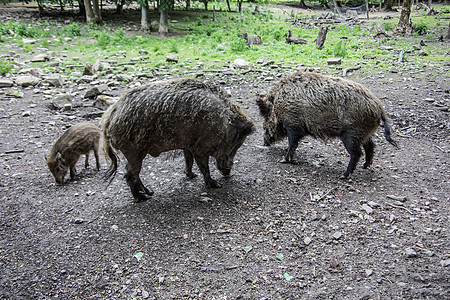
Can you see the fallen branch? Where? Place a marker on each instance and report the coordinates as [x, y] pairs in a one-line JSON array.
[[294, 40], [14, 151], [346, 70], [397, 206]]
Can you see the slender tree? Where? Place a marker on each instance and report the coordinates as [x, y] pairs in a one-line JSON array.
[[164, 6], [404, 25], [145, 15], [93, 12]]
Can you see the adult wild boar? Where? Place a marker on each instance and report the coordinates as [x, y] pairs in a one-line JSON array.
[[187, 114], [325, 107], [77, 140]]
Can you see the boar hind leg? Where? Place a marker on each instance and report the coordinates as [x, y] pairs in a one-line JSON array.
[[202, 163], [369, 147], [293, 139], [97, 159], [73, 172], [86, 160], [139, 191], [354, 149], [189, 159]]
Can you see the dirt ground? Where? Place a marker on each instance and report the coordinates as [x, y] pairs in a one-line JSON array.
[[273, 231]]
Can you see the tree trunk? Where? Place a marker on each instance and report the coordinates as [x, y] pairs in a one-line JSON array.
[[90, 18], [388, 5], [188, 5], [321, 37], [97, 13], [82, 8], [240, 5], [367, 8], [164, 20], [404, 26], [145, 16], [303, 5], [447, 37], [229, 6]]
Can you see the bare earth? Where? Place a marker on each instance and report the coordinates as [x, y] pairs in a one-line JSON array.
[[273, 231]]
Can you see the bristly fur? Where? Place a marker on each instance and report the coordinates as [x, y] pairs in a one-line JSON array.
[[189, 114], [324, 107]]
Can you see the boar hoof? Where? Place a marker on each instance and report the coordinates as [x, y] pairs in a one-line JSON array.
[[288, 161], [214, 184], [191, 175], [141, 197]]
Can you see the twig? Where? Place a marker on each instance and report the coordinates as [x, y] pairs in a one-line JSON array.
[[439, 148], [14, 151], [397, 206], [346, 70]]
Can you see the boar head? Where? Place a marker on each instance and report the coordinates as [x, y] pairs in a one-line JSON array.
[[57, 166]]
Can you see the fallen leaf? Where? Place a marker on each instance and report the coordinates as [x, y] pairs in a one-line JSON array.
[[288, 277], [280, 256], [247, 249], [138, 255]]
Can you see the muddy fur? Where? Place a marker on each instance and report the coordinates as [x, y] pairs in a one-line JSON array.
[[195, 116], [324, 107], [77, 140]]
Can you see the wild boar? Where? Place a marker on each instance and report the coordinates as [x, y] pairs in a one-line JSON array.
[[77, 140], [324, 107], [197, 117]]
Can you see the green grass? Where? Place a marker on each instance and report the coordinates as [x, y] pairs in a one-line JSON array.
[[199, 39]]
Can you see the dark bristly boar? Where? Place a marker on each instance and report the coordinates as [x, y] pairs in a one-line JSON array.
[[77, 140], [197, 117], [325, 107]]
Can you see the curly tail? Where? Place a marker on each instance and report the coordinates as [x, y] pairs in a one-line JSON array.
[[387, 130]]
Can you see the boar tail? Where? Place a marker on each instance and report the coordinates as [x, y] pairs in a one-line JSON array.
[[109, 153], [387, 129]]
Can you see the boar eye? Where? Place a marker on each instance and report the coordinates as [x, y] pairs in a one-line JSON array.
[[58, 169]]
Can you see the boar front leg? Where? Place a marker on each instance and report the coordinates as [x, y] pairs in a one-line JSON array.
[[354, 149], [138, 190], [203, 165], [368, 146], [189, 159], [97, 159], [293, 139]]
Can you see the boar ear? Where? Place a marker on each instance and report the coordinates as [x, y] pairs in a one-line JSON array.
[[45, 157], [264, 107], [59, 158]]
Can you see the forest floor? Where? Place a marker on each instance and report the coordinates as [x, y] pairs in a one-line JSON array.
[[273, 231]]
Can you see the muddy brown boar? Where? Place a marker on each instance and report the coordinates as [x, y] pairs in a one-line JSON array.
[[324, 107], [197, 117], [77, 140]]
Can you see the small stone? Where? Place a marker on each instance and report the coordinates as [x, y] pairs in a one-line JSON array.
[[115, 227], [145, 294], [103, 102], [307, 240], [334, 61], [26, 113], [337, 235], [410, 252], [428, 253], [6, 83], [240, 64], [369, 272], [67, 107], [367, 208], [172, 58], [445, 263], [27, 80], [54, 80], [29, 41], [373, 204], [88, 70], [40, 58], [79, 221], [161, 279]]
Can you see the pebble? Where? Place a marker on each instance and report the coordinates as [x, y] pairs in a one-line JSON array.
[[410, 252], [445, 263], [369, 272], [337, 235], [367, 208]]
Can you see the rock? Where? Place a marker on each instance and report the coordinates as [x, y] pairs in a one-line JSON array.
[[445, 263], [264, 61], [59, 101], [337, 235], [54, 80], [369, 272], [423, 53], [95, 91], [67, 107], [36, 72], [27, 80], [26, 113], [103, 102], [373, 204], [88, 70], [29, 41], [15, 93], [410, 253], [40, 58], [240, 64], [97, 66], [334, 61], [367, 208], [307, 240], [6, 83], [172, 58], [123, 77]]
